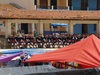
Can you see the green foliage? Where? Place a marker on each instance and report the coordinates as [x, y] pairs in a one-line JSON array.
[[13, 25]]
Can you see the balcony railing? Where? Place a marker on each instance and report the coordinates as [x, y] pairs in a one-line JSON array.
[[65, 8], [51, 7], [86, 8]]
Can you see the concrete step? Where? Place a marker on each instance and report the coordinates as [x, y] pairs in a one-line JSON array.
[[4, 44]]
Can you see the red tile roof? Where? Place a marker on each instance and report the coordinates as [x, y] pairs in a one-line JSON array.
[[49, 14]]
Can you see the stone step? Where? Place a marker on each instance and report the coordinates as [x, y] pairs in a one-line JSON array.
[[4, 44]]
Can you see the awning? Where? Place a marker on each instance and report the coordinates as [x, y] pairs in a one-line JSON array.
[[58, 24]]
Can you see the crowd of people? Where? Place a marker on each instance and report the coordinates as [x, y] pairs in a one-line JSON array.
[[47, 41]]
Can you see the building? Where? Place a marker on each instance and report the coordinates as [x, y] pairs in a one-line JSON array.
[[86, 5], [82, 16]]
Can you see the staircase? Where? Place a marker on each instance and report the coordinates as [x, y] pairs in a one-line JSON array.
[[16, 5]]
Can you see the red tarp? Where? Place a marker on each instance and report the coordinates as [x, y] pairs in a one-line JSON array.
[[85, 52]]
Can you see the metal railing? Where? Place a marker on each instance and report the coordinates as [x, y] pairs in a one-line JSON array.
[[52, 7], [65, 8], [79, 8]]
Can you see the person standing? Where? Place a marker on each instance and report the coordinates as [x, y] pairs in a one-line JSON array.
[[35, 33]]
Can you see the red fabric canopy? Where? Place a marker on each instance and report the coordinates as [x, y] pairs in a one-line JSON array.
[[85, 52]]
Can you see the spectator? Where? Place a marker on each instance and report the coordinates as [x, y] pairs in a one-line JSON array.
[[49, 41]]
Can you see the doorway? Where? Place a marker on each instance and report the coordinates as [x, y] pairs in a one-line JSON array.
[[84, 4], [98, 4], [54, 3], [24, 27], [70, 4], [44, 4], [84, 28]]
